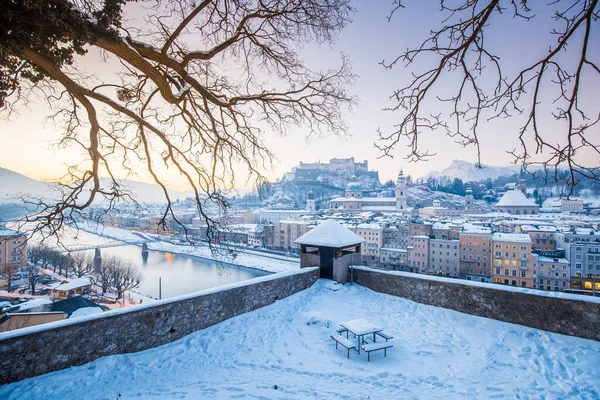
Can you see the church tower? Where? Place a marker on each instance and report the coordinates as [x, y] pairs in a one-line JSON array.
[[311, 205], [469, 197], [401, 193]]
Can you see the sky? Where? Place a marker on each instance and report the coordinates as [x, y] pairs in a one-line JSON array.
[[27, 137]]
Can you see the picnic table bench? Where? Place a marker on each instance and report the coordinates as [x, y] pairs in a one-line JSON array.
[[384, 335], [347, 343], [376, 346]]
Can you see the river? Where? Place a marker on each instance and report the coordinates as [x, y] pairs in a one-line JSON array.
[[179, 274]]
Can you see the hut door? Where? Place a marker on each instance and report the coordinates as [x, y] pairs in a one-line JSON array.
[[326, 262]]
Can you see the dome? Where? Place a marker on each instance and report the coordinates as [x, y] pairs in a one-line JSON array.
[[401, 178], [353, 185]]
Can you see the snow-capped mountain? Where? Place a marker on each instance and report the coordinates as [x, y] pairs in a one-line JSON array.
[[468, 172], [13, 186]]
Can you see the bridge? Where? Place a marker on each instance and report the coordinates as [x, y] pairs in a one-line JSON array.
[[84, 247]]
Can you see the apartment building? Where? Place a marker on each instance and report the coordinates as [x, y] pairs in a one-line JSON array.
[[287, 231], [444, 257], [582, 249], [396, 236], [418, 254], [513, 263], [541, 237], [373, 235], [551, 273], [476, 254], [13, 250], [393, 258]]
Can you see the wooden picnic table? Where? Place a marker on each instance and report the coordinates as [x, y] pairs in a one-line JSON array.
[[361, 328]]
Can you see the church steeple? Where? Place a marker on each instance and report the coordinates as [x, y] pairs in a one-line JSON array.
[[401, 192]]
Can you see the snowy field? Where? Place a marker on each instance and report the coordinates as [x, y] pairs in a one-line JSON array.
[[284, 351]]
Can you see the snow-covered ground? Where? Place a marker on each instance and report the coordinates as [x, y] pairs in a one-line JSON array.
[[284, 351]]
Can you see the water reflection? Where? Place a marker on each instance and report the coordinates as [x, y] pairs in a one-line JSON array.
[[180, 274]]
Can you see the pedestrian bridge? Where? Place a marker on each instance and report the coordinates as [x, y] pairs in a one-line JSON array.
[[115, 243]]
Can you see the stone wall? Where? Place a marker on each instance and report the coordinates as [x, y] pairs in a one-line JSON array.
[[568, 314], [46, 348]]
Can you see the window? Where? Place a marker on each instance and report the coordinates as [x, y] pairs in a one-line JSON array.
[[523, 274], [497, 271], [506, 272], [514, 272]]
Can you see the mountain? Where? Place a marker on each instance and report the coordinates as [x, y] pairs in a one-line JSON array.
[[14, 185], [468, 172]]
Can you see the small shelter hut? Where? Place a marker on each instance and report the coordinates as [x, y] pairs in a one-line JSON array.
[[331, 247]]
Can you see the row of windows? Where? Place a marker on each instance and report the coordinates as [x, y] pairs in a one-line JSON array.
[[513, 272]]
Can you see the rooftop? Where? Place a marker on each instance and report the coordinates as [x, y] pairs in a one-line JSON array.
[[330, 233], [284, 351], [511, 237], [515, 198]]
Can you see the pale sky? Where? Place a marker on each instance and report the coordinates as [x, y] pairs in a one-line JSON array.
[[26, 138]]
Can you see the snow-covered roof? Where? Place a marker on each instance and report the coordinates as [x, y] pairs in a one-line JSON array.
[[512, 237], [471, 228], [9, 233], [73, 284], [515, 198], [368, 226], [330, 233]]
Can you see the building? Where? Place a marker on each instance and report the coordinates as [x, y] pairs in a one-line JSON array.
[[542, 237], [418, 254], [287, 231], [551, 273], [401, 195], [515, 202], [67, 289], [444, 257], [13, 251], [512, 259], [436, 210], [582, 249], [469, 198], [569, 205], [354, 200], [393, 258], [311, 205], [397, 235], [373, 236], [476, 254]]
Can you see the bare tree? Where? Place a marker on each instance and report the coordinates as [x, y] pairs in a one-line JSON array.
[[551, 88], [82, 264], [198, 87], [33, 277], [116, 275], [125, 277]]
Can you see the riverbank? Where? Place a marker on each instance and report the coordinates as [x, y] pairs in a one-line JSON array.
[[246, 259]]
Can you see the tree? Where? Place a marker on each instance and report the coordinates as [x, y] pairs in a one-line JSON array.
[[82, 264], [477, 86], [197, 88], [116, 275], [125, 277], [34, 277]]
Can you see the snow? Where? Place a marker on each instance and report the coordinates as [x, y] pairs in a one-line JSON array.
[[72, 284], [285, 351], [34, 303], [485, 285], [515, 198], [511, 237], [330, 233], [82, 312]]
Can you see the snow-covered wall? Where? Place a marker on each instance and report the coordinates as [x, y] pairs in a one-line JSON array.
[[573, 315], [45, 348]]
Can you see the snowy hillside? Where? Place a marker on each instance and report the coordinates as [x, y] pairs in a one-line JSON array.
[[284, 351], [468, 172], [422, 196], [13, 185]]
